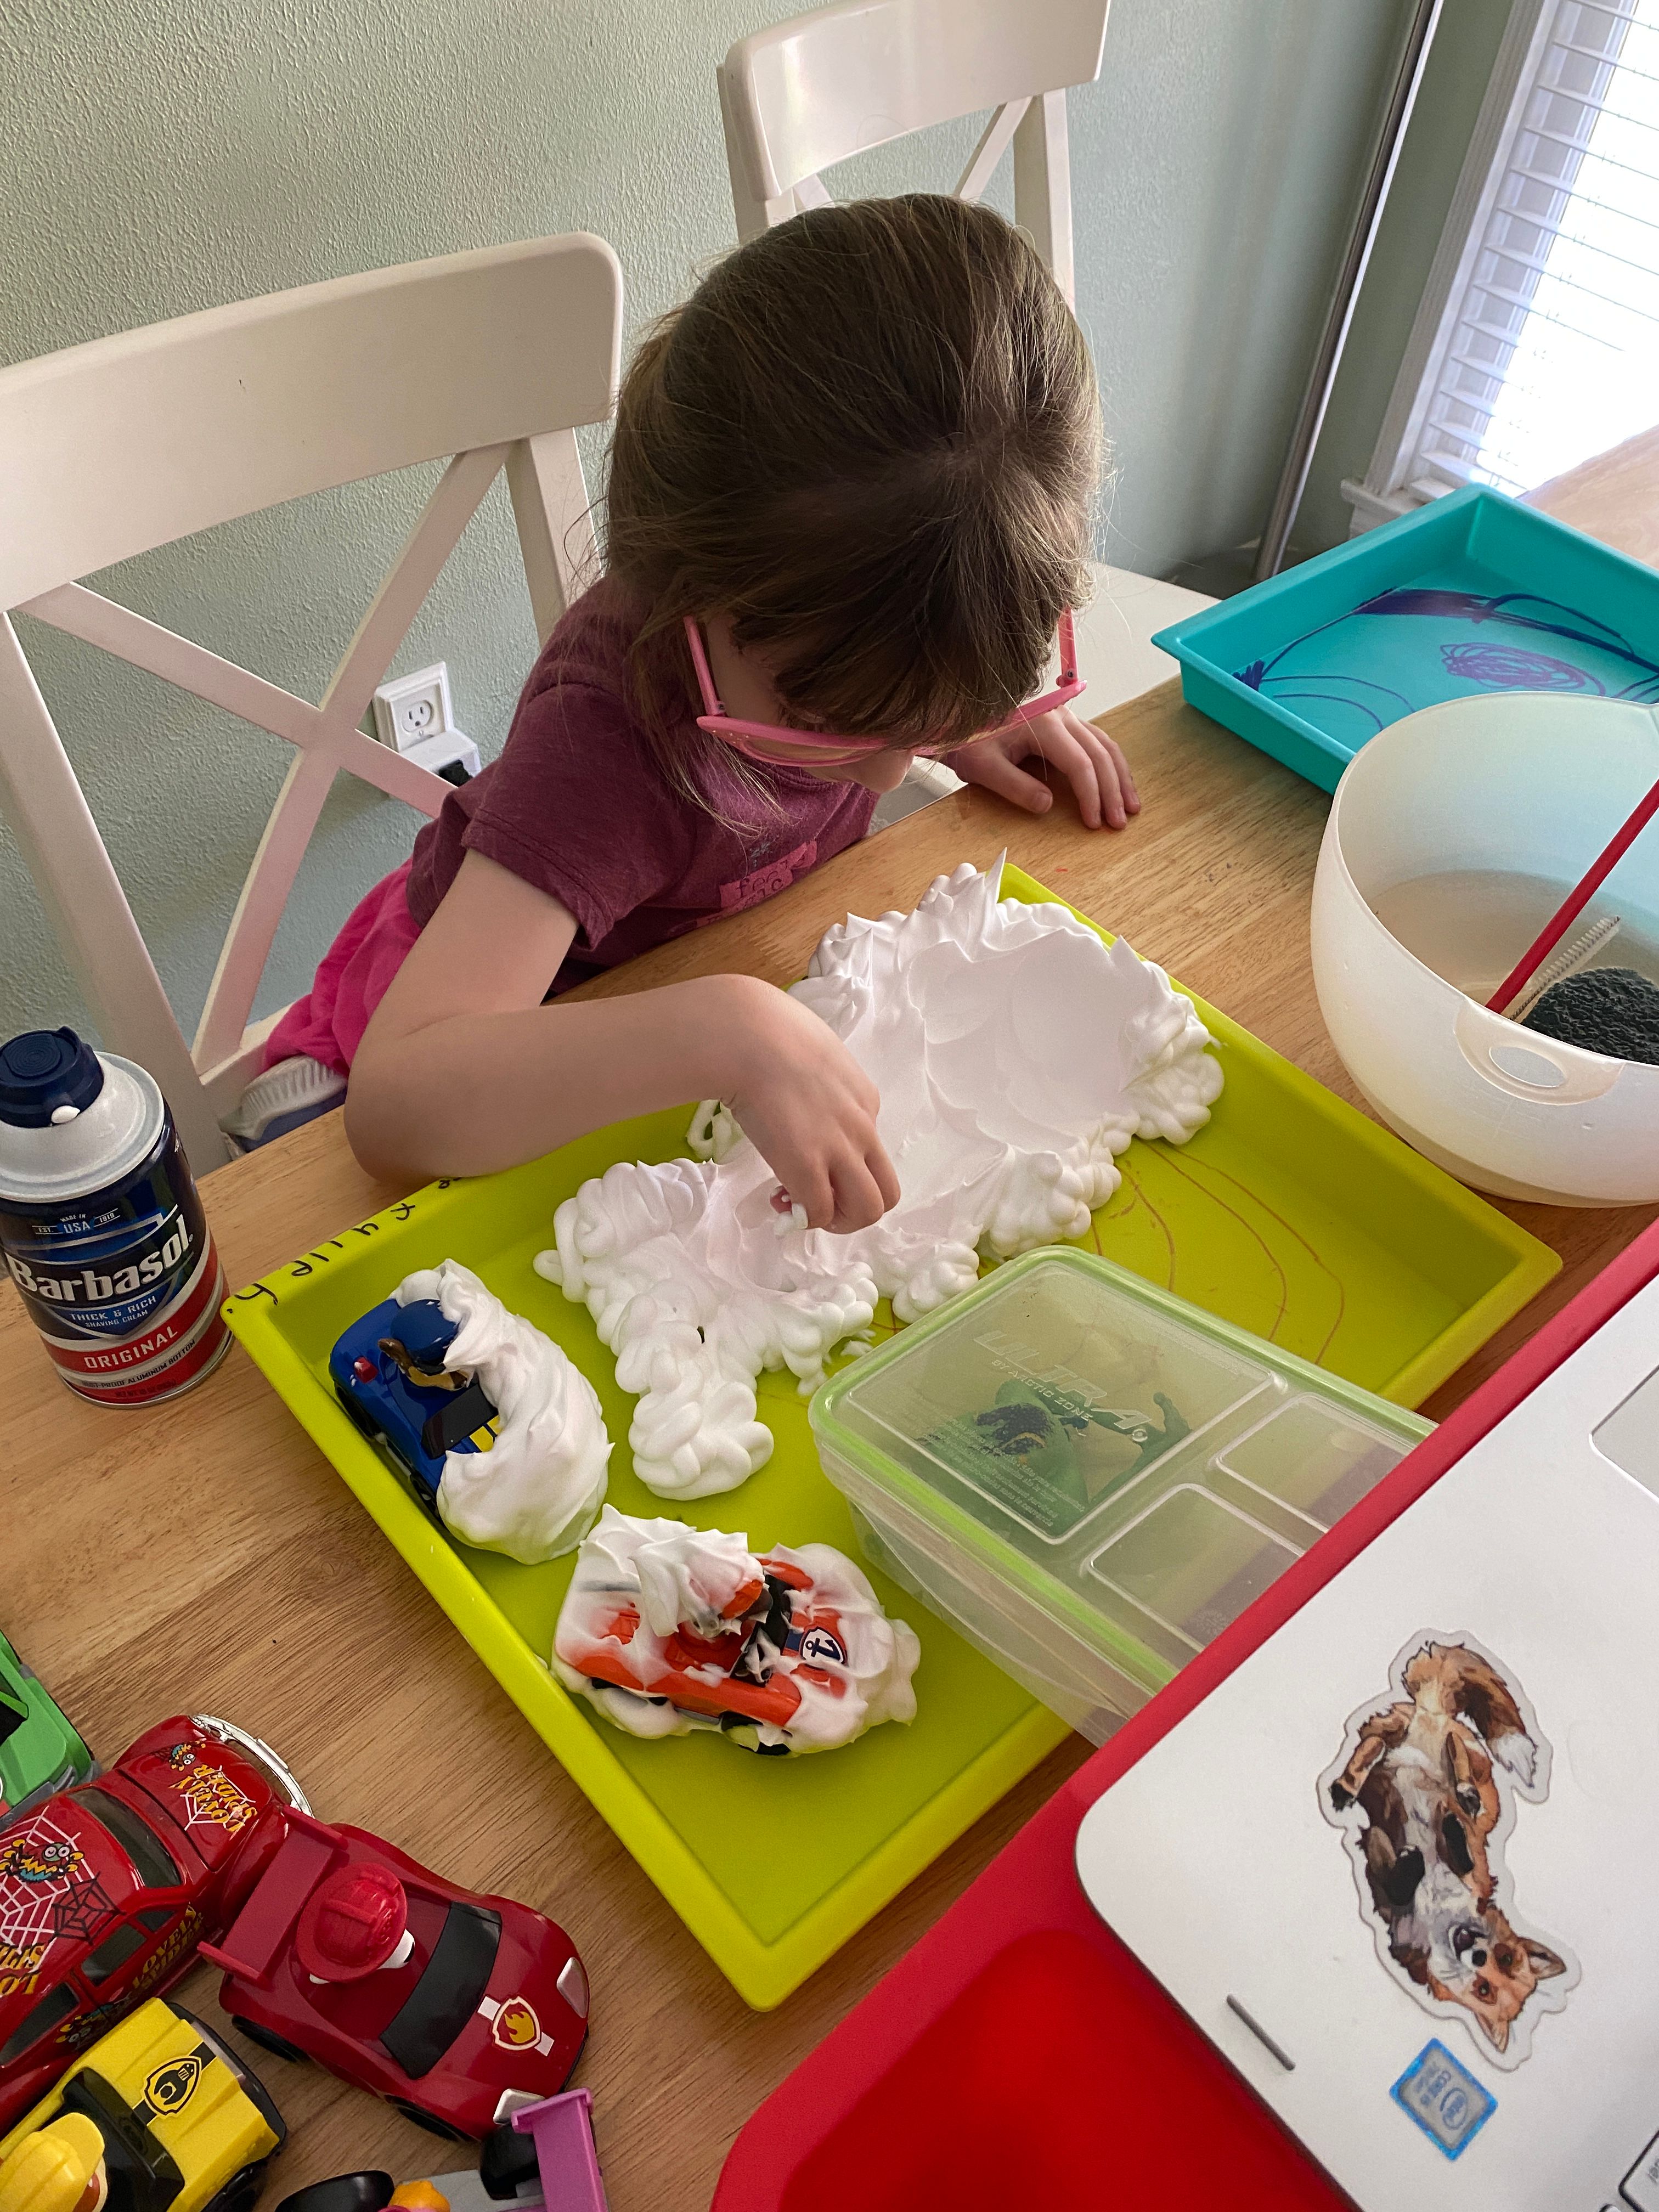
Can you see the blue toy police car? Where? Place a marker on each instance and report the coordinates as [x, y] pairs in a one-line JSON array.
[[388, 1369]]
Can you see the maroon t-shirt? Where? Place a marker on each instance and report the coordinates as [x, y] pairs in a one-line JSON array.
[[579, 806]]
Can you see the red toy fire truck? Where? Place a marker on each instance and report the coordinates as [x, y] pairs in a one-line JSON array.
[[457, 2008]]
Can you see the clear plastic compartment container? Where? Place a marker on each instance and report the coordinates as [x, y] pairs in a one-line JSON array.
[[1091, 1478]]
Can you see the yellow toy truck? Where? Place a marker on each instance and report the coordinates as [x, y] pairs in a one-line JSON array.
[[158, 2116]]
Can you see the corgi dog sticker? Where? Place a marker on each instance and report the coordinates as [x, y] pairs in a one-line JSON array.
[[1424, 1792]]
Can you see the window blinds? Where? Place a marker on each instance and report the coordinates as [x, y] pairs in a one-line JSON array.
[[1554, 353]]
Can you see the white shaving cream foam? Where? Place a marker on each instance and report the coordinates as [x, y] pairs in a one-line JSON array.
[[535, 1493], [1016, 1057]]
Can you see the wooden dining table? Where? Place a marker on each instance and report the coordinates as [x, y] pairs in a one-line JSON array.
[[204, 1557]]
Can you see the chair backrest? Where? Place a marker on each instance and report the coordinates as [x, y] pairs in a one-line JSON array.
[[809, 92], [487, 359]]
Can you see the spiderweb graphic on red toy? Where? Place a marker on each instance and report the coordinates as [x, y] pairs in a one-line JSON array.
[[47, 1890], [211, 1798], [85, 1910]]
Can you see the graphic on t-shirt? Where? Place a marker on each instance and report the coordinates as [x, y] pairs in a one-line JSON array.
[[775, 875]]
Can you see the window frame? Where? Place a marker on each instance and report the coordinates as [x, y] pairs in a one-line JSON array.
[[445, 2000], [18, 2045], [1392, 485], [93, 1793], [139, 1939]]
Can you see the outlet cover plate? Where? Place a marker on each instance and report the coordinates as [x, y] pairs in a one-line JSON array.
[[412, 710]]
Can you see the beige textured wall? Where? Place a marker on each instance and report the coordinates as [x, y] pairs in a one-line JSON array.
[[161, 155]]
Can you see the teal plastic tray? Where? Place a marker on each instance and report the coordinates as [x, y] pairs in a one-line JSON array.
[[1471, 593]]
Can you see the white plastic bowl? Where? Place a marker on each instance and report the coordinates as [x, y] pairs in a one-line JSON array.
[[1523, 782]]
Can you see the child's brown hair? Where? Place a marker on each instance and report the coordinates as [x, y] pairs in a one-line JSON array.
[[870, 438]]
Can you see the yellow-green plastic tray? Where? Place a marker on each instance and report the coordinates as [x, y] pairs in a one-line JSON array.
[[1289, 1214]]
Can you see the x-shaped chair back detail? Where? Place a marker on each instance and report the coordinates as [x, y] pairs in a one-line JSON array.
[[488, 360]]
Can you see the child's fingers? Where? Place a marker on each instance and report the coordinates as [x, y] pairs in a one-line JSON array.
[[1114, 753], [809, 1188], [885, 1174], [858, 1200], [994, 771], [1082, 765], [1096, 771], [1114, 807], [1125, 774]]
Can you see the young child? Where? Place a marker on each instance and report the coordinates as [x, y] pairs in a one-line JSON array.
[[848, 507]]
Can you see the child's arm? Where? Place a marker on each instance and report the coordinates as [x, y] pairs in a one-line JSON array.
[[463, 1069]]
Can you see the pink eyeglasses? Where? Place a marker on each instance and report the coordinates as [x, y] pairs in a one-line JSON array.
[[769, 741]]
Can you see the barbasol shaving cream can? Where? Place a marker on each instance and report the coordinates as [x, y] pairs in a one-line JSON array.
[[102, 1226]]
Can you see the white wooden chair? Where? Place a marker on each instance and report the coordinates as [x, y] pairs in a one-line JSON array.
[[807, 92], [487, 359]]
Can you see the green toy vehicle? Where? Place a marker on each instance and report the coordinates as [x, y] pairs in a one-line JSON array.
[[39, 1751], [1030, 1451]]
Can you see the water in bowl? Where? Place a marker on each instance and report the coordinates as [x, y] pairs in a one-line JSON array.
[[1471, 925]]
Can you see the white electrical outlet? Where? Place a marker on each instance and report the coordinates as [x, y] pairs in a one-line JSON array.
[[414, 715], [408, 710]]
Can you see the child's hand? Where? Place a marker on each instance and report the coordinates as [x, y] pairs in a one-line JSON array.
[[811, 1110], [1091, 763]]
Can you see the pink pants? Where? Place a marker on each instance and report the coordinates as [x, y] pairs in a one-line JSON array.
[[328, 1021]]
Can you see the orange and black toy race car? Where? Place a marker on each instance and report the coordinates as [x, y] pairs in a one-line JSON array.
[[666, 1629], [731, 1678]]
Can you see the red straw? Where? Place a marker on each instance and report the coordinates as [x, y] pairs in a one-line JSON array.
[[1573, 906]]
